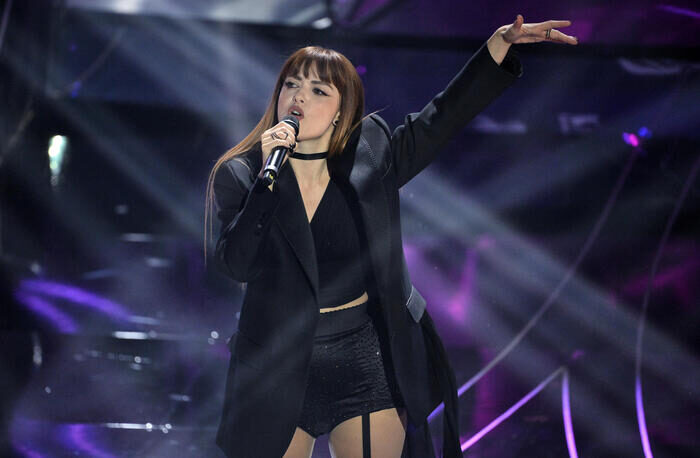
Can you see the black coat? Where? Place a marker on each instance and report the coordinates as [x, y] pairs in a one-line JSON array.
[[266, 242]]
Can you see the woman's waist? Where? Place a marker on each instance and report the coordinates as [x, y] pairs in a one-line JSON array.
[[344, 303], [344, 318]]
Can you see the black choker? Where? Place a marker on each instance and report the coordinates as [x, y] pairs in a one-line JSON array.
[[308, 157]]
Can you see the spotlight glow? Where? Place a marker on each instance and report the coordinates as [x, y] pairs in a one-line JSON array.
[[630, 139], [644, 132], [57, 154]]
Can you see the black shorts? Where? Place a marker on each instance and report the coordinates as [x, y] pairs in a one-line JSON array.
[[347, 377]]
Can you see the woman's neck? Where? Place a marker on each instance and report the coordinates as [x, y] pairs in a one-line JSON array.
[[310, 172]]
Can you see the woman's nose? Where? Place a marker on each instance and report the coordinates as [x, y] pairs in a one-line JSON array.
[[301, 95]]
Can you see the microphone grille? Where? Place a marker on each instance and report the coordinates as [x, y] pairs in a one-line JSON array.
[[292, 121]]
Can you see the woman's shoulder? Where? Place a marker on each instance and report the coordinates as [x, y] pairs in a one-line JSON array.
[[247, 160], [375, 130], [242, 165], [375, 127], [373, 121]]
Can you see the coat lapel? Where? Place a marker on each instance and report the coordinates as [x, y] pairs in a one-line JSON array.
[[292, 220], [357, 166]]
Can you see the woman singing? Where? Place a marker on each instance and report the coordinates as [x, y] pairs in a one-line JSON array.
[[333, 338]]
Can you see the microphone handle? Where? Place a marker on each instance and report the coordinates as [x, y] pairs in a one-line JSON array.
[[274, 162]]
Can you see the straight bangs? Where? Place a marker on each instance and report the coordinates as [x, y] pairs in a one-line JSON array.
[[332, 68], [328, 66]]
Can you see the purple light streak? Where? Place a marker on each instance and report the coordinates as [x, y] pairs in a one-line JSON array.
[[60, 320], [555, 293], [681, 11], [679, 277], [641, 418], [476, 437], [77, 296], [566, 413], [28, 453], [24, 437], [77, 435]]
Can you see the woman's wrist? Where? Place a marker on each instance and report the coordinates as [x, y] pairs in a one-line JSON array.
[[497, 46]]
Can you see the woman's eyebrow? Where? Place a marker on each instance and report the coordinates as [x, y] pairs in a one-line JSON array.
[[299, 78]]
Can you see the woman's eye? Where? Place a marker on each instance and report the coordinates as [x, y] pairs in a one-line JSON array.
[[319, 92], [289, 84]]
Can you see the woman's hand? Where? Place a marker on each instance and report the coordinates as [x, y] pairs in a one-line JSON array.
[[518, 32], [281, 134]]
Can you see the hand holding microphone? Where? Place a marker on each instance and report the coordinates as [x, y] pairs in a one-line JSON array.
[[276, 144]]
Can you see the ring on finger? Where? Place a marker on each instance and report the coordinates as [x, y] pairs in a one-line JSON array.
[[276, 137], [549, 31]]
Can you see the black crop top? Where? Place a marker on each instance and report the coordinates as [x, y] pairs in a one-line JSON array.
[[339, 252]]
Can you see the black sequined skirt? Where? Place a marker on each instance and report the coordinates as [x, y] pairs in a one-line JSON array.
[[347, 377]]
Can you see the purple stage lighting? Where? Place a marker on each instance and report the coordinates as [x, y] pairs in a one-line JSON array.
[[681, 11], [45, 309], [566, 413], [568, 425], [77, 435], [641, 418], [630, 139], [24, 433], [75, 295], [27, 452]]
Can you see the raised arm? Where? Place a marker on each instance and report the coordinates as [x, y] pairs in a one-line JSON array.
[[415, 144], [492, 69]]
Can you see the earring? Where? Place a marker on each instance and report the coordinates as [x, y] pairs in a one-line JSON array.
[[335, 122]]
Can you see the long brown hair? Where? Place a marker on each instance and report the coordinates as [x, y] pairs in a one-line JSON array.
[[332, 67]]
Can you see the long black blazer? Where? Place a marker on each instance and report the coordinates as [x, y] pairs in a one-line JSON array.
[[266, 242]]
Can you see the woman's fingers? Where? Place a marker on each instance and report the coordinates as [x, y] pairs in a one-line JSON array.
[[554, 34], [518, 21], [270, 142], [554, 24], [281, 134], [286, 128], [560, 37], [540, 31]]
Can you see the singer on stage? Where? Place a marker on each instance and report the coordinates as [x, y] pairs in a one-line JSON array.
[[333, 338]]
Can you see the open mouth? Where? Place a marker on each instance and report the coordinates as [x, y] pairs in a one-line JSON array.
[[296, 112]]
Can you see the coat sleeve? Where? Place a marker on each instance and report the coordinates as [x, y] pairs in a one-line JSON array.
[[416, 143], [244, 207]]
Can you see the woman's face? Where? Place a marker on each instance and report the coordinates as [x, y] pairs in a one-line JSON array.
[[315, 103]]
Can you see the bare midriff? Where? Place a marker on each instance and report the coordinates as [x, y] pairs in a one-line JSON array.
[[352, 303]]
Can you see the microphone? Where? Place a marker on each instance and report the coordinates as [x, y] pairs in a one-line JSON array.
[[274, 160]]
